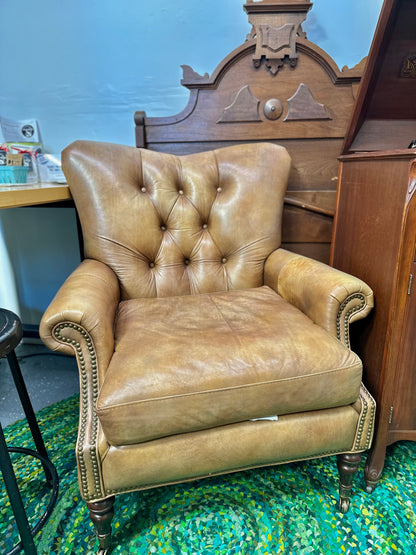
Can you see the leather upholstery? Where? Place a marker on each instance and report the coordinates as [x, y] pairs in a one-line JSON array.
[[169, 225], [229, 448], [189, 322], [265, 363], [331, 299]]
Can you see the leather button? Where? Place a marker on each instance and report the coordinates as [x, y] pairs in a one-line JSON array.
[[204, 226], [180, 192], [143, 189], [187, 261], [151, 264], [163, 227], [219, 189], [223, 260]]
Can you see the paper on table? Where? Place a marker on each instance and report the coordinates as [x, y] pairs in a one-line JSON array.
[[19, 131], [49, 166]]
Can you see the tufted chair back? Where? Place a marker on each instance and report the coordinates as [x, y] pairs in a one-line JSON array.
[[177, 225]]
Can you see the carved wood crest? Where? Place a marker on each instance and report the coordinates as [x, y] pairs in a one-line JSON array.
[[276, 24], [301, 106], [245, 107]]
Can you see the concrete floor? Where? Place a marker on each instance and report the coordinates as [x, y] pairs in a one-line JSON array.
[[49, 378]]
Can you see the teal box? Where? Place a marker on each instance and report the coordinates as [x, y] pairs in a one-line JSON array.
[[13, 174]]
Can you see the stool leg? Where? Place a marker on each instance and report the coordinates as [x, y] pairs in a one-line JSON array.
[[28, 409], [15, 497]]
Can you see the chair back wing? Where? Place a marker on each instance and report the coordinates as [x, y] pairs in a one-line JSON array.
[[177, 225]]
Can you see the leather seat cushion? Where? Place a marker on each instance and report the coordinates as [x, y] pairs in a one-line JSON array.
[[188, 363]]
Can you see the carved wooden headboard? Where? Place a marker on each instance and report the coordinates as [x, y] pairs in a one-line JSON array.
[[279, 87]]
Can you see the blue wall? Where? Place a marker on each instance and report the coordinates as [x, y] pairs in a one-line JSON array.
[[82, 68]]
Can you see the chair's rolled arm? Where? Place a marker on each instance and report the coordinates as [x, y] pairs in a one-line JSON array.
[[80, 321], [329, 297], [83, 311]]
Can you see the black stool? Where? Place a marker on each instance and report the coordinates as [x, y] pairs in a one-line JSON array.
[[10, 336]]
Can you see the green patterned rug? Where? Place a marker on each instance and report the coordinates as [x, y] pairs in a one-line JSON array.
[[288, 509]]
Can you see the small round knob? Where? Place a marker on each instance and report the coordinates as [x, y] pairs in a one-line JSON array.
[[273, 108]]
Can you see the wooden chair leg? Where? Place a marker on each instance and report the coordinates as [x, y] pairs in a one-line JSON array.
[[101, 513], [347, 468]]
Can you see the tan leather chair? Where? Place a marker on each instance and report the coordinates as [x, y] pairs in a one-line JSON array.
[[189, 324]]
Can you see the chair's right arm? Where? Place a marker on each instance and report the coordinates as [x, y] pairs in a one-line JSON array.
[[330, 298]]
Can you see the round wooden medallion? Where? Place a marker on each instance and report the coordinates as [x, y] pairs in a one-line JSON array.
[[273, 108]]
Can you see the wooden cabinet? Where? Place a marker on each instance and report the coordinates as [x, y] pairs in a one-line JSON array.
[[375, 224]]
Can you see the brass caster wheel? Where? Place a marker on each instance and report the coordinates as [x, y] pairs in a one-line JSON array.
[[344, 505]]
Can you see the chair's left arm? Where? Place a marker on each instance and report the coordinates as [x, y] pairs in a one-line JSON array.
[[80, 322], [330, 298], [81, 316]]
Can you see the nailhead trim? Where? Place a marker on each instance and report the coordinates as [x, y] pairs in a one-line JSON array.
[[344, 321], [85, 389], [361, 422], [347, 316], [363, 418]]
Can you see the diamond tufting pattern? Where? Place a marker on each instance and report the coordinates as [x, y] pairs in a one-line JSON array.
[[177, 225]]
